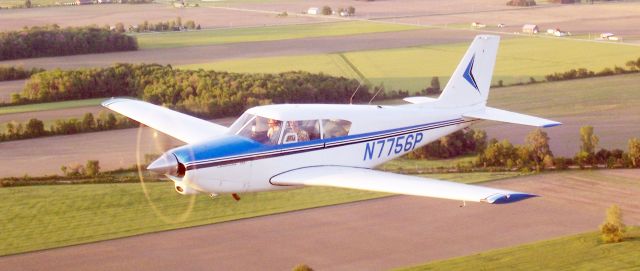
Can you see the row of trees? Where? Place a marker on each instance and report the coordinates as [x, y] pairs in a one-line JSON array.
[[459, 143], [52, 40], [521, 3], [536, 154], [632, 67], [199, 92], [13, 73], [173, 25], [90, 169], [36, 128]]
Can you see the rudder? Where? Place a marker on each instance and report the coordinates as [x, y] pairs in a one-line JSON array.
[[469, 85]]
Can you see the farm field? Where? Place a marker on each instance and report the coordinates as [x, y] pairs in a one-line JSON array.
[[50, 106], [577, 252], [400, 229], [50, 116], [610, 104], [15, 19], [9, 87], [60, 215], [268, 33], [412, 68]]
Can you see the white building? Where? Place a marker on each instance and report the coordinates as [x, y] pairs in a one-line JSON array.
[[530, 29], [313, 11]]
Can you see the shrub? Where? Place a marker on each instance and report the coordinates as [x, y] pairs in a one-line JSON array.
[[613, 229], [92, 168]]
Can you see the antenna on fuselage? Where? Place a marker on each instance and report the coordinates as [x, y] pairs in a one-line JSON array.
[[354, 93], [374, 95]]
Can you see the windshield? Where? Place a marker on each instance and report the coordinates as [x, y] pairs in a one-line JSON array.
[[240, 123]]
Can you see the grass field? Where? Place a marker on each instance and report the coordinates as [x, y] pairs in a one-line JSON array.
[[579, 252], [15, 3], [412, 68], [252, 34], [408, 164], [49, 106], [590, 97], [39, 217]]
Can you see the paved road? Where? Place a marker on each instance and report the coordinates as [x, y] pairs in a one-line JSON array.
[[211, 53], [369, 235]]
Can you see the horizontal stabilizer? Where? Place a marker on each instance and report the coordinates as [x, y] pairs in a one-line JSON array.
[[419, 99], [490, 113], [180, 126], [373, 180]]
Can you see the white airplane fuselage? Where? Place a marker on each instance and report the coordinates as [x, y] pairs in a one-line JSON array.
[[378, 134]]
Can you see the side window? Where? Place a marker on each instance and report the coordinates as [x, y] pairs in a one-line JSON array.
[[300, 131], [335, 128], [263, 130]]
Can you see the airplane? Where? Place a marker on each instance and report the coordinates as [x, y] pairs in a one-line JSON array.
[[286, 146]]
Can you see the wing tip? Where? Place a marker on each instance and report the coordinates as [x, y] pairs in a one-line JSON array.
[[549, 125], [508, 198], [106, 103]]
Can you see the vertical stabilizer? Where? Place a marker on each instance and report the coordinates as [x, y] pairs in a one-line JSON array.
[[469, 85]]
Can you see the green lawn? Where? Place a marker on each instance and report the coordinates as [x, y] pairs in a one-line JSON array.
[[39, 217], [251, 34], [596, 98], [15, 3], [409, 164], [50, 106], [412, 68], [579, 252]]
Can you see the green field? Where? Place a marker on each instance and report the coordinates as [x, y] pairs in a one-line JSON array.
[[252, 34], [15, 3], [49, 106], [579, 252], [595, 99], [412, 68], [39, 217], [414, 164]]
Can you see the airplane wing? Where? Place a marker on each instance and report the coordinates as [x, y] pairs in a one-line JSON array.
[[180, 126], [373, 180]]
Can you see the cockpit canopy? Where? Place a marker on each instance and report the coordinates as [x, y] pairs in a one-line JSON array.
[[273, 132]]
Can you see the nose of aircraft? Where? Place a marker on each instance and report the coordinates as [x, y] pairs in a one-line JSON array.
[[165, 164]]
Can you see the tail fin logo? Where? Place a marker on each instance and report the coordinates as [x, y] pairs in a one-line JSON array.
[[468, 74]]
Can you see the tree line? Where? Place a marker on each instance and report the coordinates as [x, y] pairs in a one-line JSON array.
[[51, 40], [17, 73], [36, 128], [173, 25], [202, 93], [534, 155], [633, 67]]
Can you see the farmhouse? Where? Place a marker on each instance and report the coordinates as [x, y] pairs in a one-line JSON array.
[[609, 36], [530, 29], [313, 11]]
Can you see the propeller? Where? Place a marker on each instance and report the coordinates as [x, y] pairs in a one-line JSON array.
[[149, 144]]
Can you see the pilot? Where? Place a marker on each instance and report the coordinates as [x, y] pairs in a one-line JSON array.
[[274, 131], [302, 134]]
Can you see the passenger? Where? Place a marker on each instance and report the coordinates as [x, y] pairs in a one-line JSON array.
[[274, 131], [302, 134]]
